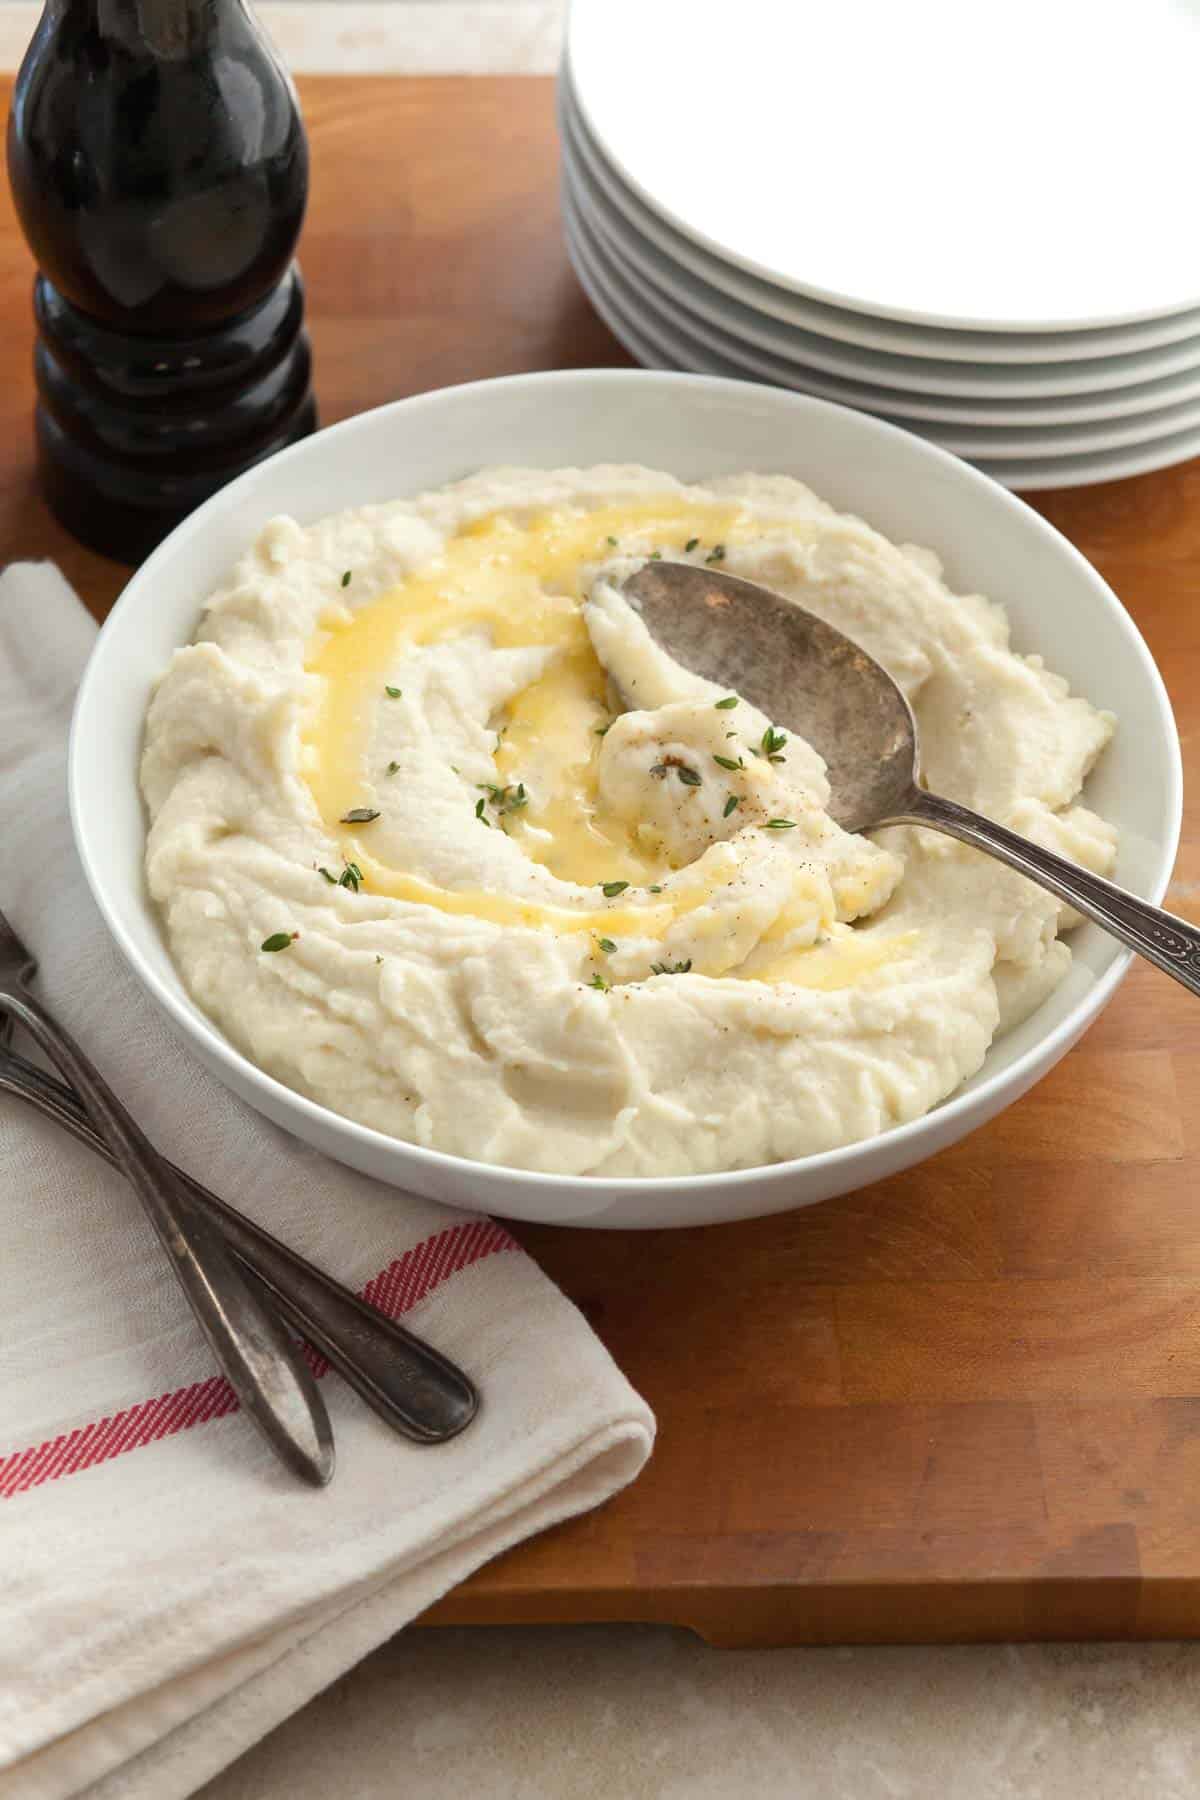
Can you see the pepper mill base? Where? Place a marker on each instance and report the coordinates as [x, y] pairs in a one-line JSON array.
[[133, 433]]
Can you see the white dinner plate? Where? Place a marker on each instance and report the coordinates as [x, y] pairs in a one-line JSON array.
[[934, 375], [737, 322], [692, 340], [1034, 473], [1020, 167], [692, 262]]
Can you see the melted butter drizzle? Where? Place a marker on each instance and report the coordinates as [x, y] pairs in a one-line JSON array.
[[846, 958], [520, 582]]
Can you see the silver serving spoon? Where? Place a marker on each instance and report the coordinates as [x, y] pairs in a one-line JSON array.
[[808, 676]]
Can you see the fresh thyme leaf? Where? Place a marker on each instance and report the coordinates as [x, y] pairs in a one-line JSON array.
[[679, 968], [360, 815], [379, 959], [607, 945], [392, 767], [730, 806], [780, 825], [346, 579], [351, 877], [654, 888], [598, 981], [689, 777], [727, 762], [505, 799], [611, 540], [279, 940], [724, 705], [331, 879], [773, 742], [659, 770], [393, 693], [690, 546], [479, 806], [655, 556], [610, 889], [716, 554]]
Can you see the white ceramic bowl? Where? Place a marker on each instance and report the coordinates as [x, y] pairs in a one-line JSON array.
[[692, 426]]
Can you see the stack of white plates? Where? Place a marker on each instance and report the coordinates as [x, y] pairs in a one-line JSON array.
[[974, 221]]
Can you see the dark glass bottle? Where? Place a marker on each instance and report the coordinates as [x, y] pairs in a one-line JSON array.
[[160, 170]]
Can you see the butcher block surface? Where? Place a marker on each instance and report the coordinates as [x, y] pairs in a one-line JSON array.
[[964, 1403]]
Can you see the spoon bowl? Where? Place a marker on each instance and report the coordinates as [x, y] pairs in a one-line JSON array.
[[804, 673], [799, 671]]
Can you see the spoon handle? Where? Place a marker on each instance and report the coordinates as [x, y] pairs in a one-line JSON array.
[[1170, 943], [271, 1379], [410, 1385]]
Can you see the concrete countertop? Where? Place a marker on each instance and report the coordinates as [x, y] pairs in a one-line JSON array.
[[622, 1712]]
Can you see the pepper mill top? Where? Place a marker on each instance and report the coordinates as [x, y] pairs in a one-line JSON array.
[[157, 160], [159, 169]]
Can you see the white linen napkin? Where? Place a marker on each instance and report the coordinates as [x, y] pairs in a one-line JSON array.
[[168, 1592]]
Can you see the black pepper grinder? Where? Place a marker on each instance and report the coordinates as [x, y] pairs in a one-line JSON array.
[[160, 170]]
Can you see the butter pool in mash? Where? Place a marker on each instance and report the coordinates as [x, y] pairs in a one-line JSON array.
[[418, 862]]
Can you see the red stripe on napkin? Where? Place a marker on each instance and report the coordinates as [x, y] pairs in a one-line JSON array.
[[394, 1291]]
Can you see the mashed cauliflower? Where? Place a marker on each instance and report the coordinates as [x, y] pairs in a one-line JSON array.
[[441, 838]]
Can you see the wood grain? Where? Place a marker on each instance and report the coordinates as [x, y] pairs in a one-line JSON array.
[[964, 1403]]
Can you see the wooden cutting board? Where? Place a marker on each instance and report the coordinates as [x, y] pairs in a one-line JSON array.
[[964, 1403]]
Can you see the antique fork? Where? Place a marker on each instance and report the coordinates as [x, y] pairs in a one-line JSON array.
[[412, 1387], [267, 1372]]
